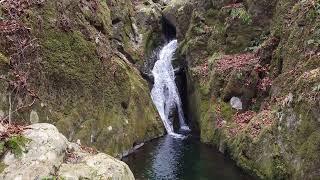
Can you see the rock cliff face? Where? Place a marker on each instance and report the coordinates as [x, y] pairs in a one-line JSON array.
[[73, 63], [49, 155], [266, 53]]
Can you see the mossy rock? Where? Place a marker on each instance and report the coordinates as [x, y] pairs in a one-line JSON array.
[[2, 167], [86, 80], [286, 148], [3, 60], [4, 64]]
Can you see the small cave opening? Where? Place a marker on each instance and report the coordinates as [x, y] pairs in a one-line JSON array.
[[168, 30]]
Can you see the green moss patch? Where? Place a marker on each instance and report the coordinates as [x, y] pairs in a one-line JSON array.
[[16, 144]]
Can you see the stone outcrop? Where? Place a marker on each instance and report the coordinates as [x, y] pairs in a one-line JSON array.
[[50, 155], [266, 53], [178, 13], [74, 63]]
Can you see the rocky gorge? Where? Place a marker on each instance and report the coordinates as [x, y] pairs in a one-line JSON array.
[[248, 72], [265, 53]]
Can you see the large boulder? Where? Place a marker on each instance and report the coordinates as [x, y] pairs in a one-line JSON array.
[[50, 154], [45, 151], [99, 166]]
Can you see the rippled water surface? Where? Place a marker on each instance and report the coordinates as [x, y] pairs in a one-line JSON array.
[[168, 158]]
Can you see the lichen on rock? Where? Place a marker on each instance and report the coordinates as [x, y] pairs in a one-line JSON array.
[[49, 154], [261, 52], [81, 72]]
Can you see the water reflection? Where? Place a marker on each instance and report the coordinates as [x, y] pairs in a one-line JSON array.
[[167, 160], [174, 159]]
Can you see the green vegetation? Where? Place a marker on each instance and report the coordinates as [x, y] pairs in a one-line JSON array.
[[92, 93], [16, 144], [242, 14], [2, 167], [3, 60], [315, 39], [212, 60], [285, 35], [317, 7], [86, 82], [279, 168]]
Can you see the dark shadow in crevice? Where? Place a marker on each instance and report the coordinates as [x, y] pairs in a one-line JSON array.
[[116, 21], [168, 30]]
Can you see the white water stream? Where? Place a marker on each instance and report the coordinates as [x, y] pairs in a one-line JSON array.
[[165, 93]]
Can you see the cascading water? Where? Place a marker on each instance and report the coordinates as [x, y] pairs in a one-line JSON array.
[[165, 93]]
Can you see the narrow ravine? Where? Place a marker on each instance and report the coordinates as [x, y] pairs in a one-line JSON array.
[[164, 93], [177, 156], [177, 89]]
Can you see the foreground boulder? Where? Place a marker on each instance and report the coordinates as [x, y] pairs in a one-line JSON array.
[[49, 154]]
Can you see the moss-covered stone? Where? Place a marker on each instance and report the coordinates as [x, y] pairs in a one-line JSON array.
[[3, 60], [85, 79], [280, 140], [2, 167]]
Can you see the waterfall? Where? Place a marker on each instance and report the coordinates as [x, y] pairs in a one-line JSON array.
[[165, 93]]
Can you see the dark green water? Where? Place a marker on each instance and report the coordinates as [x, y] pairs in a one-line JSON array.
[[176, 159]]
